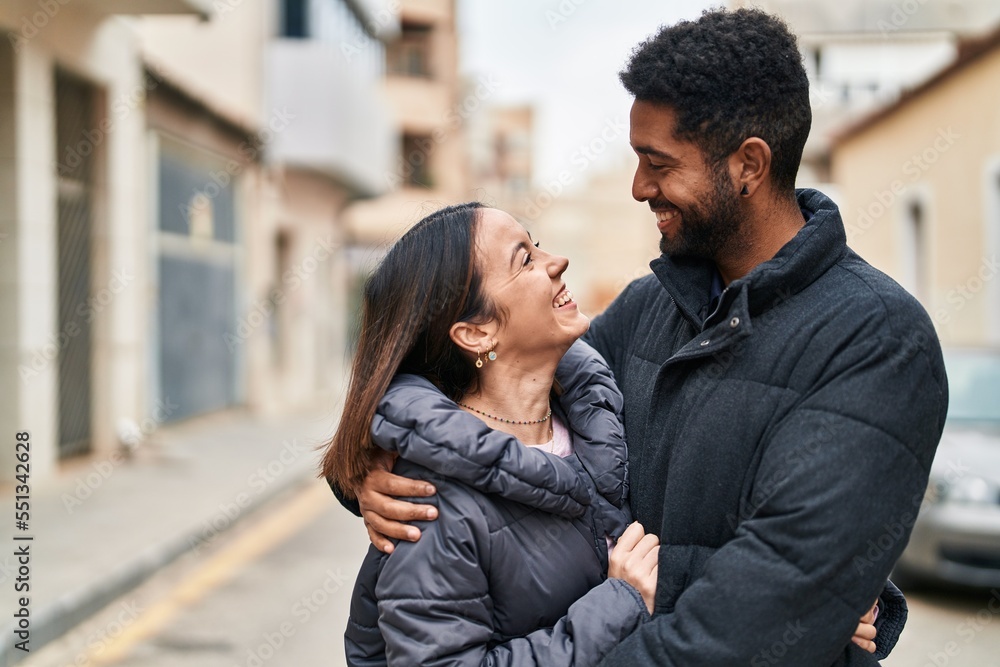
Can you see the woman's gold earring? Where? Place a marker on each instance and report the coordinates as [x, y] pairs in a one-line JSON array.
[[479, 359]]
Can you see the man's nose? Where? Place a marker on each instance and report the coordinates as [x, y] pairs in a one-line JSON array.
[[643, 187]]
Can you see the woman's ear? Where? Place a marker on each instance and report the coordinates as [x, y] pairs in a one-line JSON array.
[[473, 338]]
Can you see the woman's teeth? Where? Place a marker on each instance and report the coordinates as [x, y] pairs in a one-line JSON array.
[[562, 299]]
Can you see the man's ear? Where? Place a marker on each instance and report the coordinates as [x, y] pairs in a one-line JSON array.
[[750, 165], [473, 338]]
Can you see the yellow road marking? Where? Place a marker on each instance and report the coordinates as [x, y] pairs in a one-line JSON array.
[[276, 527]]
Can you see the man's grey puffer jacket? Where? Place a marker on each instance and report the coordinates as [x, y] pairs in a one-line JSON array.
[[513, 570]]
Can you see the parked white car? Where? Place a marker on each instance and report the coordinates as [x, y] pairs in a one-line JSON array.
[[956, 538]]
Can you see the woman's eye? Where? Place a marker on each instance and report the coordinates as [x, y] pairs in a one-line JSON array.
[[537, 244], [527, 258]]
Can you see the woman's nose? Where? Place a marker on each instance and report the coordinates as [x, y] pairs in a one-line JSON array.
[[558, 265]]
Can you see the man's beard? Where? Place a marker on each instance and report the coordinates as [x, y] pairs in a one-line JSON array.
[[707, 230]]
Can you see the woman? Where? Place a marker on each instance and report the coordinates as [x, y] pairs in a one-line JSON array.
[[475, 319]]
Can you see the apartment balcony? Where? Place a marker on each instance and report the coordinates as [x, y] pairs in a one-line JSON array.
[[202, 8], [339, 125], [421, 104], [428, 10]]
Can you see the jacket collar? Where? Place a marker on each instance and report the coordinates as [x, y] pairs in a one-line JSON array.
[[813, 250], [418, 422]]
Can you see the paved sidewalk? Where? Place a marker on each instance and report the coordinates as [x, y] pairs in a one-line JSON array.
[[105, 525]]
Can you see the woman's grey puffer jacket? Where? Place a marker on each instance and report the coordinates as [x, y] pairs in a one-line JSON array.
[[513, 570]]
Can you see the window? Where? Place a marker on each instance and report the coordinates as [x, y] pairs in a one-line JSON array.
[[277, 325], [416, 156], [337, 23], [295, 19], [518, 184], [410, 54], [915, 248]]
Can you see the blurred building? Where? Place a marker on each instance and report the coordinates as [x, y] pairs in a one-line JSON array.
[[863, 54], [500, 147], [430, 108], [920, 192], [170, 208]]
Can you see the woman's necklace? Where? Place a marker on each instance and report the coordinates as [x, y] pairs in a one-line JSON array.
[[509, 421]]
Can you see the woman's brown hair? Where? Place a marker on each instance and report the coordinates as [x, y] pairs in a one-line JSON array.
[[427, 281]]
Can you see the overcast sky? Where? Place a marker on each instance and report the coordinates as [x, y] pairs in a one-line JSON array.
[[563, 56]]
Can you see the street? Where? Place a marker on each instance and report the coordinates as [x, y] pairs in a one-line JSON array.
[[958, 629], [275, 590]]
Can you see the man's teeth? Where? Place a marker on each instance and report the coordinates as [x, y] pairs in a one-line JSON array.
[[563, 299], [663, 216]]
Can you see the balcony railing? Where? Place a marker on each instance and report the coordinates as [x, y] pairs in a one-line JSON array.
[[339, 122], [202, 8]]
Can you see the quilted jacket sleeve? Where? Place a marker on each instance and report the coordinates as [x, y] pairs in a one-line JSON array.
[[432, 619]]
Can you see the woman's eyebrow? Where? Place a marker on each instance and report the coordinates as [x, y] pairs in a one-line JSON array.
[[519, 246]]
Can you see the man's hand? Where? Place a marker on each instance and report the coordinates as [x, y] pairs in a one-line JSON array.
[[383, 514]]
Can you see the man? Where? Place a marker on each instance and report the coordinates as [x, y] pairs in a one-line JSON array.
[[783, 399]]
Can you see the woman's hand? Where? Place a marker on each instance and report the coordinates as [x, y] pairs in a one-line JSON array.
[[864, 636], [383, 514], [635, 559]]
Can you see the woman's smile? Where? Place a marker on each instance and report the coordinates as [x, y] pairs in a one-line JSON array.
[[564, 299]]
